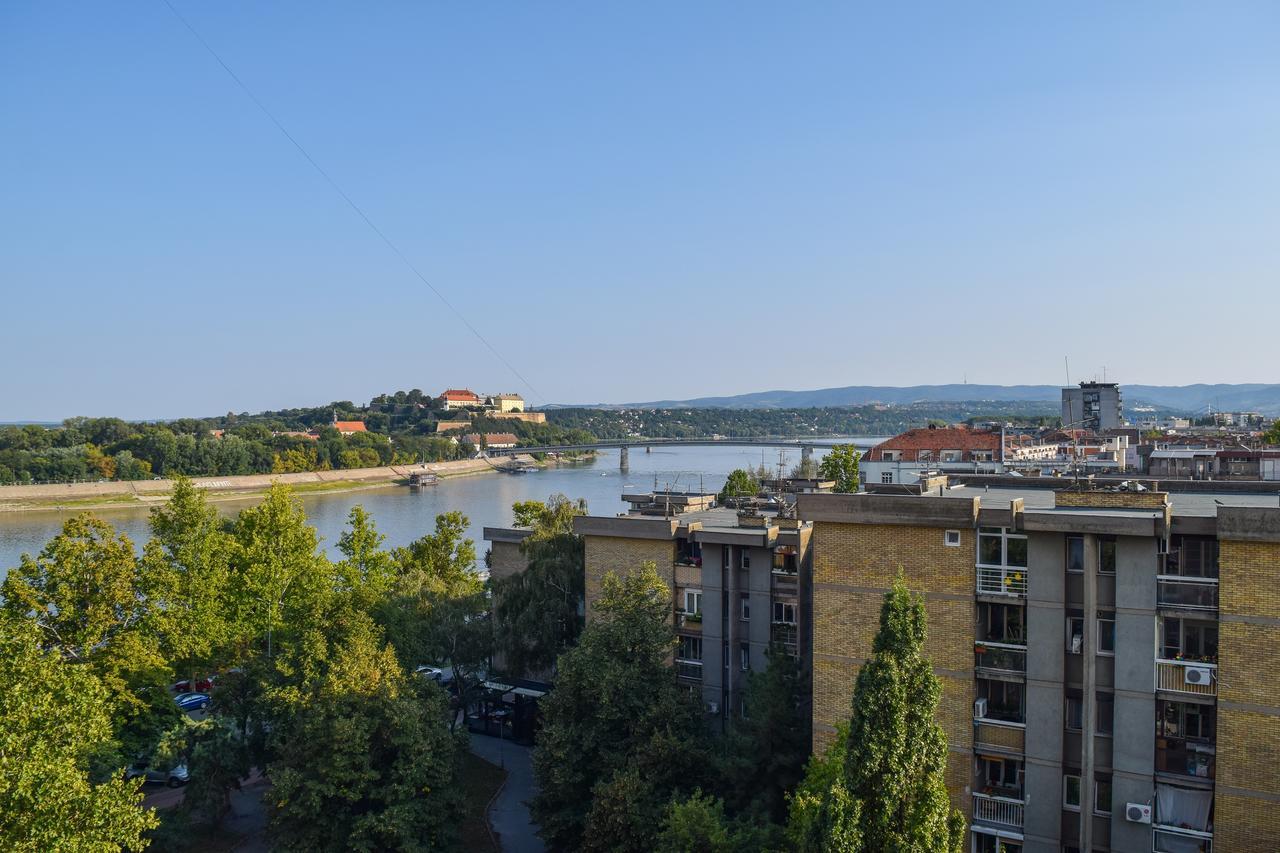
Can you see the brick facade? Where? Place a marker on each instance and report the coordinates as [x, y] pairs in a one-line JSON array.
[[606, 554], [1247, 800], [854, 564], [1113, 500]]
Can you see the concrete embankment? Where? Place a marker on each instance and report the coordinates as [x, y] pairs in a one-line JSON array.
[[88, 495]]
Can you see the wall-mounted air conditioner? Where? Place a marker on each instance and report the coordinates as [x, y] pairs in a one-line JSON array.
[[1197, 674], [713, 707], [980, 709], [1137, 813]]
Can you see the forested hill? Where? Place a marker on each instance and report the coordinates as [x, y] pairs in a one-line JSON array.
[[679, 422], [1255, 397]]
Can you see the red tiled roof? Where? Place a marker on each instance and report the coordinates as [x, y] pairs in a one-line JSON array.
[[913, 441], [460, 394], [349, 426]]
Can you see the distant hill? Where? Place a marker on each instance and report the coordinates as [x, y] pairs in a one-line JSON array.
[[1257, 397]]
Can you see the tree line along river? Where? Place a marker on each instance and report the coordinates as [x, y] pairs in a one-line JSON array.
[[403, 514]]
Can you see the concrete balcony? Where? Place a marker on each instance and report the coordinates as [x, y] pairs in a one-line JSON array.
[[1184, 676], [1174, 839], [1000, 812], [999, 736], [1002, 580], [1005, 658], [689, 623]]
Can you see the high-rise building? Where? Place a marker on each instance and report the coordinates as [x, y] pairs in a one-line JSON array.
[[1095, 406]]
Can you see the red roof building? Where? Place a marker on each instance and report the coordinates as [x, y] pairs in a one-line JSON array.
[[933, 444], [349, 427], [458, 398]]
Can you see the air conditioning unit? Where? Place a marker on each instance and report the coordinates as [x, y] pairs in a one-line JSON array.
[[1137, 813], [713, 707], [1077, 641], [1197, 674], [979, 709]]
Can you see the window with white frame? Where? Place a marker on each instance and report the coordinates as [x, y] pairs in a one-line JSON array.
[[1106, 632], [692, 601], [744, 558], [886, 476], [998, 548], [727, 558], [784, 613], [690, 649], [1102, 795], [1075, 634], [744, 603], [1074, 716], [1071, 792], [952, 538], [744, 656]]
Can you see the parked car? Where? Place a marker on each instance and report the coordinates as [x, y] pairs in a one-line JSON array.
[[192, 701], [440, 675], [203, 685], [174, 777]]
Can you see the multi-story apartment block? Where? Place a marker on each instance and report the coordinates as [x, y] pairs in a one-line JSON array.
[[1108, 658], [739, 583], [1096, 406]]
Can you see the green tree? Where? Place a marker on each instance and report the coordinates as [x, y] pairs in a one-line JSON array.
[[841, 464], [189, 561], [53, 717], [892, 794], [741, 484], [696, 825], [366, 761], [1272, 436], [822, 774], [763, 754], [538, 611], [620, 738], [367, 573]]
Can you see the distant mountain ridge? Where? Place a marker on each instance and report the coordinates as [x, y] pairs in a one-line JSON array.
[[1192, 399]]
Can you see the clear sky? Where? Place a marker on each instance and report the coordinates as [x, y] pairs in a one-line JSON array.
[[631, 201]]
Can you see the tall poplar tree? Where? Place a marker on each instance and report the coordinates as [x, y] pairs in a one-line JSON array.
[[892, 794]]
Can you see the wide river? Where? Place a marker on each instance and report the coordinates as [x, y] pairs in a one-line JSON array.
[[403, 515]]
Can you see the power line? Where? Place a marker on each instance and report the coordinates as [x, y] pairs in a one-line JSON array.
[[359, 212]]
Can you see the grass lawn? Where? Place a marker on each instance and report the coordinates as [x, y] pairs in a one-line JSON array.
[[480, 781]]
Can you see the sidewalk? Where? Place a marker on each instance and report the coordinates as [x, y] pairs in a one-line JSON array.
[[509, 816]]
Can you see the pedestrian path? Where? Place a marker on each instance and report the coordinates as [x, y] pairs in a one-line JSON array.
[[509, 816]]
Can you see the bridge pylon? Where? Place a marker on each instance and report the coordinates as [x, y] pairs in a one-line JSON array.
[[624, 460]]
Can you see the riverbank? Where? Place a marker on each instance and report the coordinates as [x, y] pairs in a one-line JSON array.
[[134, 493]]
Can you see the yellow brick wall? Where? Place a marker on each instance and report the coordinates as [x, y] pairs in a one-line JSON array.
[[1128, 500], [1248, 742], [606, 554], [506, 559], [845, 622]]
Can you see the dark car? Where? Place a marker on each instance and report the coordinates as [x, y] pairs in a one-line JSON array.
[[192, 701], [175, 777]]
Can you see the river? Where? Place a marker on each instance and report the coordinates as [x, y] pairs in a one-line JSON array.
[[403, 515]]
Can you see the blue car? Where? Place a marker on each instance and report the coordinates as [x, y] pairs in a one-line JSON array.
[[192, 701]]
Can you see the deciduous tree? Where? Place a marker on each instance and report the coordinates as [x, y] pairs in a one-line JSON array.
[[841, 464]]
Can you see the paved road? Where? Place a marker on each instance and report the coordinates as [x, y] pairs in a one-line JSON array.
[[509, 816]]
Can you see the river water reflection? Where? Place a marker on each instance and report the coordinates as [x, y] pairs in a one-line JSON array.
[[403, 515]]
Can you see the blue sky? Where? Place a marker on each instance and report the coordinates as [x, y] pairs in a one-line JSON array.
[[631, 201]]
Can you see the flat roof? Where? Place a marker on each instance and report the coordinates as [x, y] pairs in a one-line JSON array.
[[1184, 503]]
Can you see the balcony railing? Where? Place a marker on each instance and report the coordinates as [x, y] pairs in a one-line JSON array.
[[997, 811], [1184, 758], [1000, 657], [785, 634], [998, 580], [691, 669], [1187, 593], [1184, 676], [1174, 839]]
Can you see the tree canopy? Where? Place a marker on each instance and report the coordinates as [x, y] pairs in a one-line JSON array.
[[740, 484], [841, 464]]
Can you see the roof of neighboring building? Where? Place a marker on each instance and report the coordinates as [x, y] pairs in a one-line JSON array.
[[935, 440], [1184, 503], [509, 397], [460, 394], [490, 438], [350, 426]]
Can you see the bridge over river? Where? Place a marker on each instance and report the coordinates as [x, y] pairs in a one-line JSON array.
[[624, 445]]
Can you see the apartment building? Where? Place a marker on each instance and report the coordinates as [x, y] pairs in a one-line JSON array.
[[739, 581], [1108, 658], [1096, 406]]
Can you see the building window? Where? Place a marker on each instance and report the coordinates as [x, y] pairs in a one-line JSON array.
[[1187, 639], [784, 613], [1102, 795], [1106, 714], [724, 649], [952, 538], [1075, 634], [690, 648], [1074, 718], [744, 557], [693, 601], [1106, 632], [1107, 555], [745, 603], [997, 547], [727, 558], [1071, 792], [1075, 554], [744, 656], [1001, 623], [886, 476]]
